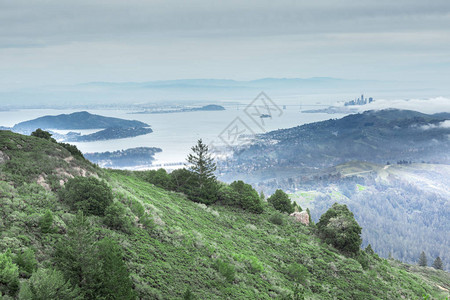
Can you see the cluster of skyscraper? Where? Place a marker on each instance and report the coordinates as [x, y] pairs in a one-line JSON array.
[[359, 101]]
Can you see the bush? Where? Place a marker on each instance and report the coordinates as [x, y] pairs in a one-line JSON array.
[[48, 284], [46, 222], [116, 218], [158, 177], [242, 195], [42, 134], [339, 228], [87, 194], [226, 270], [73, 150], [280, 201], [27, 262], [9, 275], [276, 218]]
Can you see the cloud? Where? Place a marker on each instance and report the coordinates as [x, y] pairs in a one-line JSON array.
[[429, 106], [442, 125]]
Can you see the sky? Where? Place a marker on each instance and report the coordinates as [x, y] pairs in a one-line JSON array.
[[54, 42]]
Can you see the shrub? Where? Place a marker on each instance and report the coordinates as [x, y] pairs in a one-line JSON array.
[[42, 134], [116, 218], [226, 270], [87, 194], [48, 284], [338, 227], [9, 274], [276, 218], [242, 195], [280, 201], [158, 177], [46, 222], [27, 262], [73, 150]]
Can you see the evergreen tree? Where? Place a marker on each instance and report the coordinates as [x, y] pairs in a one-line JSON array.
[[423, 260], [202, 164], [437, 264], [87, 194], [202, 167], [338, 227], [114, 276], [27, 262], [369, 250], [48, 284], [280, 201], [46, 222], [43, 135]]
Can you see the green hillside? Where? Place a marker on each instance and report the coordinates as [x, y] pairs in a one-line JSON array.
[[175, 248]]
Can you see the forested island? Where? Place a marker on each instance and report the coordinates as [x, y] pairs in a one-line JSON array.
[[141, 156]]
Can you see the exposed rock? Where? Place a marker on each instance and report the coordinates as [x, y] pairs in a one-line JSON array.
[[3, 157], [302, 217], [41, 181]]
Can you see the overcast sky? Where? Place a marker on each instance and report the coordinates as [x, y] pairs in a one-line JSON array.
[[65, 42]]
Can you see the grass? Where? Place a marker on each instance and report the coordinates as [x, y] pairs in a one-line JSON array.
[[214, 251]]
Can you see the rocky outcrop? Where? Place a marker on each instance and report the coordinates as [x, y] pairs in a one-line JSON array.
[[3, 157], [302, 217]]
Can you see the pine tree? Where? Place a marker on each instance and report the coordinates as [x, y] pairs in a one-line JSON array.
[[202, 185], [309, 217], [202, 163], [437, 264], [423, 260]]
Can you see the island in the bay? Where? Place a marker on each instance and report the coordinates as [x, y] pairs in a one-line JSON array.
[[111, 128], [210, 107], [141, 156]]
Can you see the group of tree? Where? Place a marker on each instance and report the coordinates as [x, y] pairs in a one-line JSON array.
[[39, 133], [423, 262]]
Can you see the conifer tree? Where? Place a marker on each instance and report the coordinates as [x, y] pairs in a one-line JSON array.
[[437, 264], [202, 163], [423, 260]]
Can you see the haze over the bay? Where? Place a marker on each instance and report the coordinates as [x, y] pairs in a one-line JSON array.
[[401, 46]]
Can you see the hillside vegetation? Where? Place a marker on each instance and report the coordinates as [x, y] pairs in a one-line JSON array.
[[151, 243]]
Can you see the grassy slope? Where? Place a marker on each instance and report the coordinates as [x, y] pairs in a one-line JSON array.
[[182, 248]]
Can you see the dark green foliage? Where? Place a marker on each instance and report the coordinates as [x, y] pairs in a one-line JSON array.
[[75, 256], [116, 218], [26, 261], [48, 284], [437, 264], [339, 228], [369, 250], [423, 262], [276, 218], [226, 270], [242, 195], [73, 150], [42, 134], [280, 201], [87, 194], [297, 273], [202, 167], [96, 267], [363, 259], [46, 222], [113, 275], [202, 164], [9, 275], [158, 177], [188, 295]]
